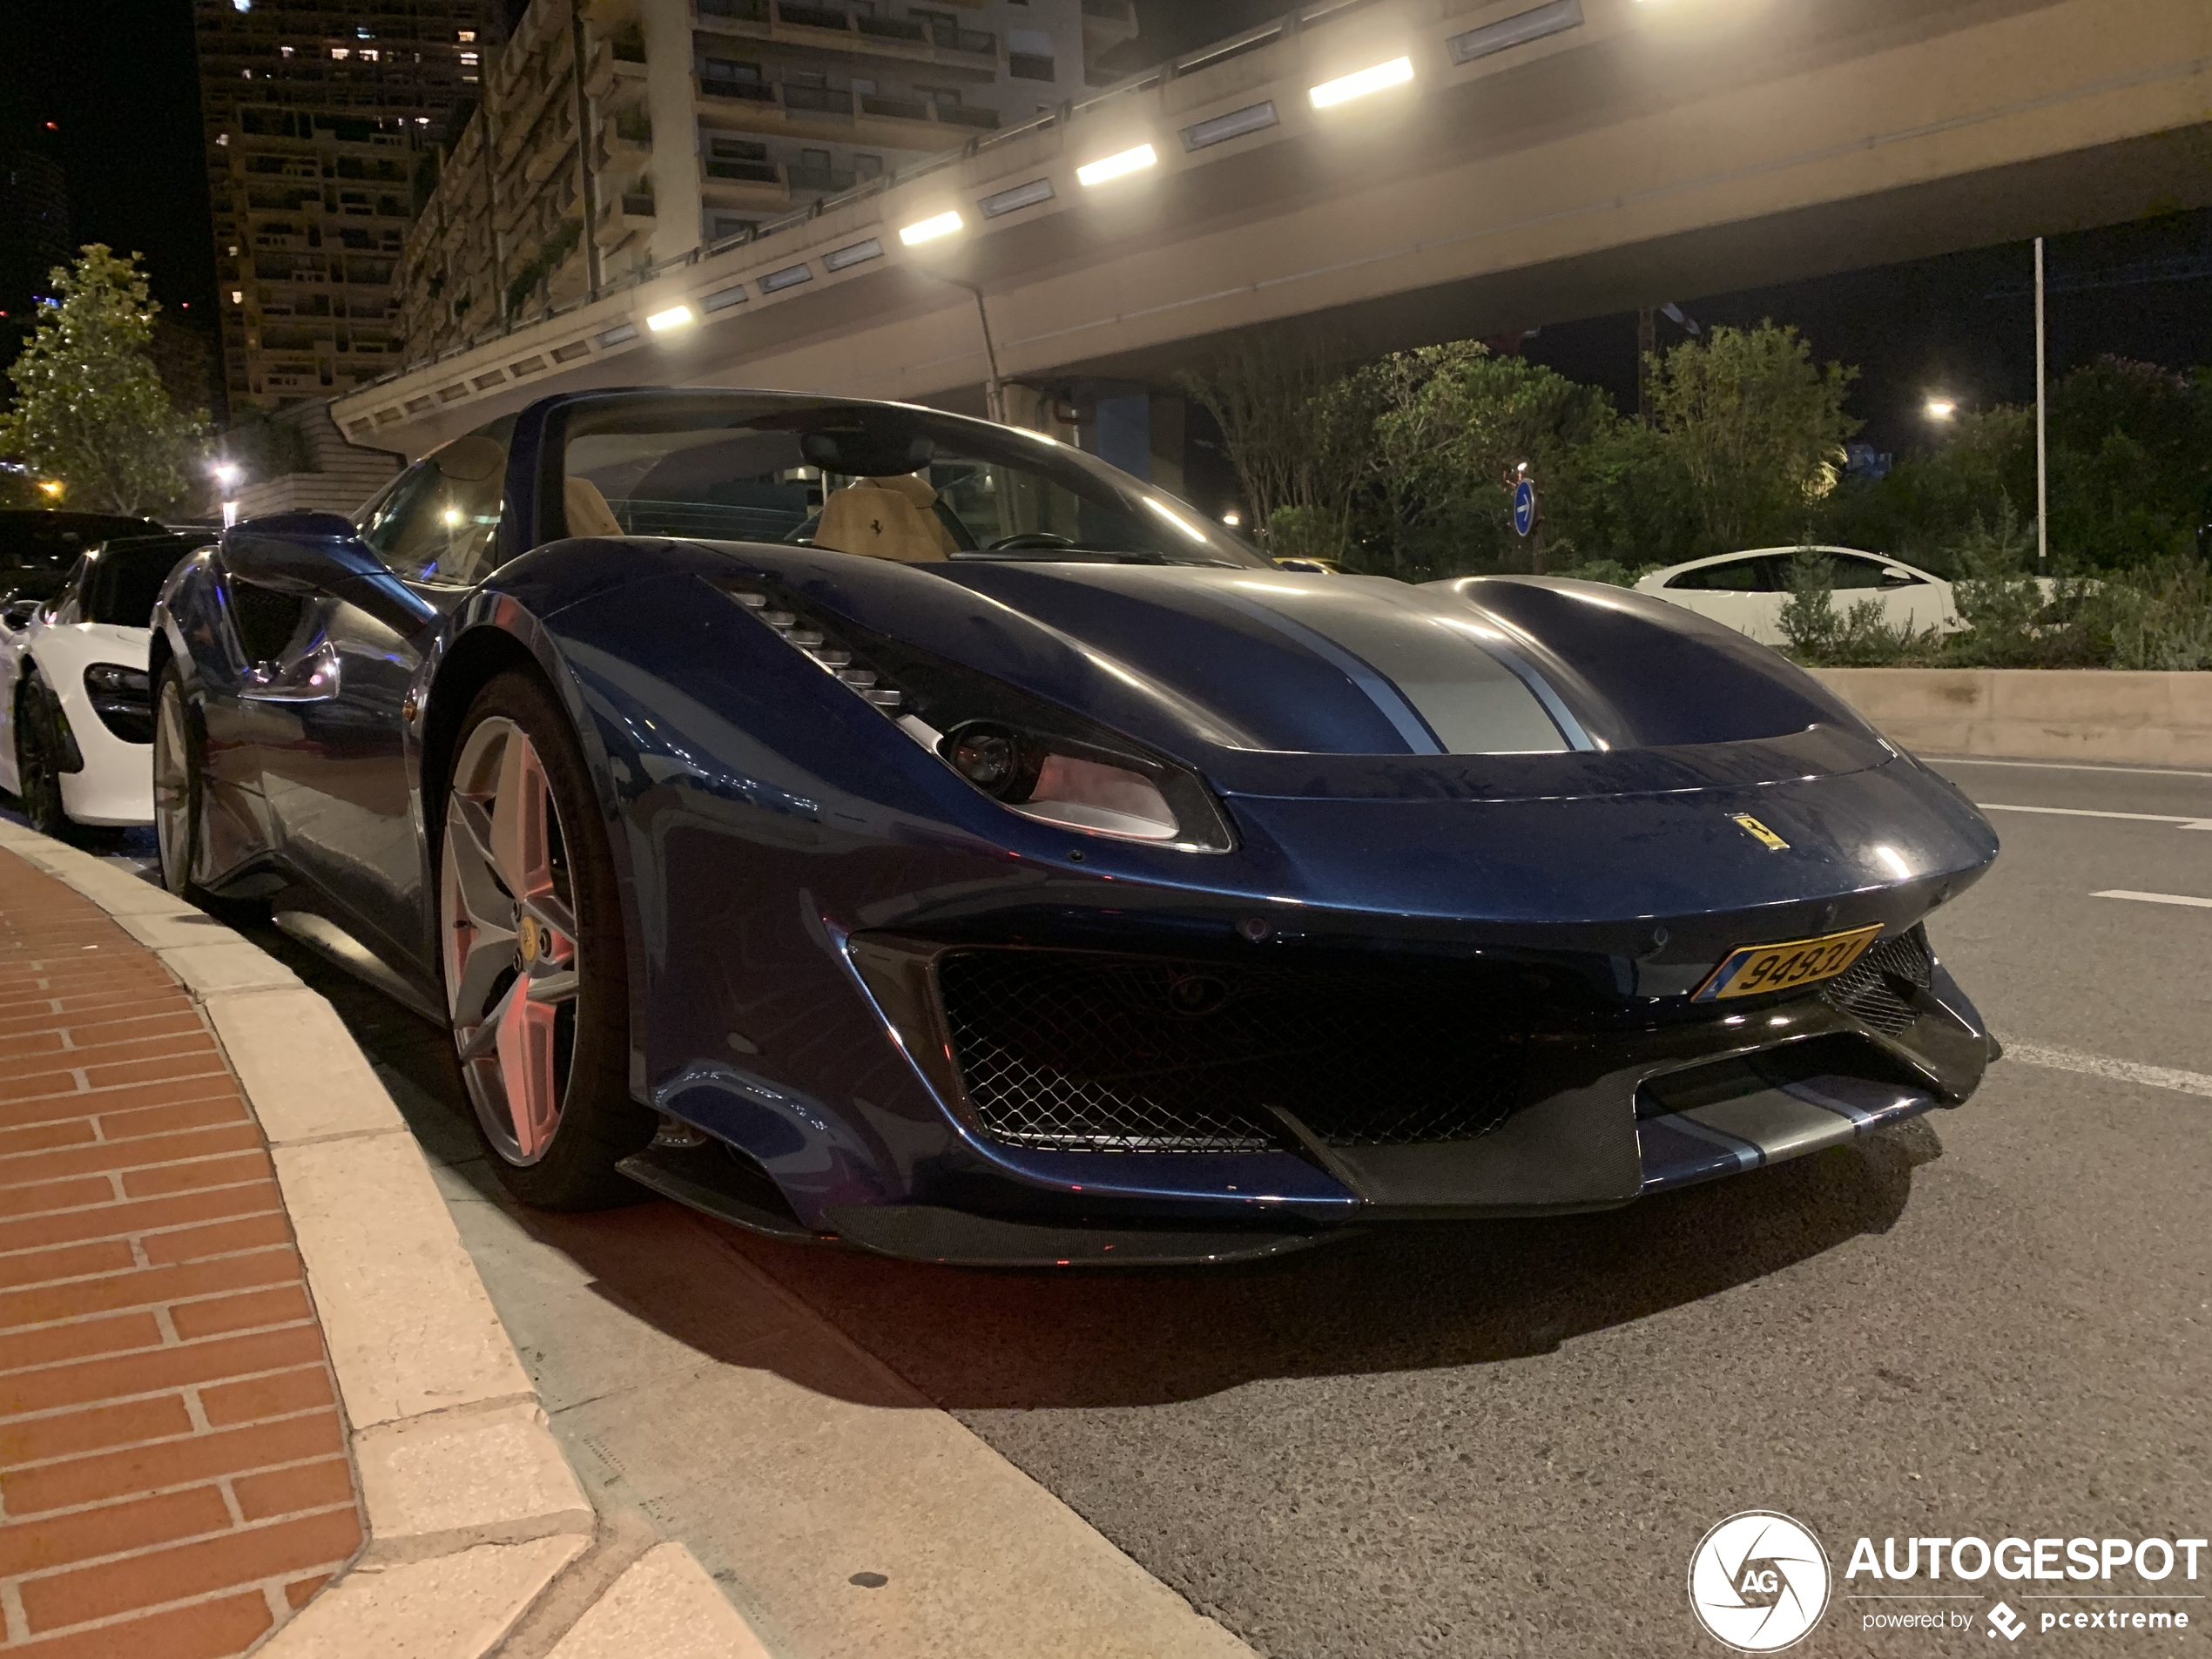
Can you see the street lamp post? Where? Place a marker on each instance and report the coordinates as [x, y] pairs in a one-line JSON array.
[[2042, 442]]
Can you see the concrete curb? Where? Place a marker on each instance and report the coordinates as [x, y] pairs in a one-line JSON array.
[[477, 1527], [2111, 716]]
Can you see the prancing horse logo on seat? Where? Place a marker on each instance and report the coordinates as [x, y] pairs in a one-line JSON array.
[[1758, 831]]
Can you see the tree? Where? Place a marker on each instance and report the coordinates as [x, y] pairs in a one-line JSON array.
[[1757, 424], [1449, 421], [1286, 424], [90, 408]]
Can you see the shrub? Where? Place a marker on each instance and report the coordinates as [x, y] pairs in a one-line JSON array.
[[1862, 637]]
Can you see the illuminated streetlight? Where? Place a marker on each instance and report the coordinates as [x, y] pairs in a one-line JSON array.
[[1117, 166], [1940, 409], [1345, 88], [227, 473], [1233, 519], [52, 488], [928, 230], [675, 317]]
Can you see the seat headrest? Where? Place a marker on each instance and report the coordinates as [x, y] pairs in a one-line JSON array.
[[585, 507], [912, 486]]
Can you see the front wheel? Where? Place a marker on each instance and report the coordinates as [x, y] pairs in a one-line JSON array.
[[532, 949], [38, 775]]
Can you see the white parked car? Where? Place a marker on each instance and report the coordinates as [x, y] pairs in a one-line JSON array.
[[1747, 590], [75, 710]]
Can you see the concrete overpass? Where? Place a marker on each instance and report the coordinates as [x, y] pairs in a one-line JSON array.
[[1540, 163]]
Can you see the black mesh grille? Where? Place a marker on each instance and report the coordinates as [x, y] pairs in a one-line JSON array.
[[1084, 1052], [1878, 987]]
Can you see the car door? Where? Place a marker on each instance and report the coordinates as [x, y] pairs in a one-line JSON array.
[[337, 792], [1911, 598], [1743, 592]]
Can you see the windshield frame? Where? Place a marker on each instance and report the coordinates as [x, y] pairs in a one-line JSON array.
[[1186, 536]]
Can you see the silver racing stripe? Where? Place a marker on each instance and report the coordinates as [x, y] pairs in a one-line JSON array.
[[1386, 696]]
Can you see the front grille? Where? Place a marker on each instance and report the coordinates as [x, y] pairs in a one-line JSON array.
[[1080, 1051], [1877, 987]]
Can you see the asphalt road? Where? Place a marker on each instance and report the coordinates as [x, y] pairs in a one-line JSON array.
[[1502, 1439]]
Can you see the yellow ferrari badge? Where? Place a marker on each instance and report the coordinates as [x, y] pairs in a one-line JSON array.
[[1759, 833]]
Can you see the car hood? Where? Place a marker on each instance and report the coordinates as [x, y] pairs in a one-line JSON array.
[[1352, 687]]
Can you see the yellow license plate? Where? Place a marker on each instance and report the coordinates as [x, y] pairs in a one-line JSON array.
[[1758, 969]]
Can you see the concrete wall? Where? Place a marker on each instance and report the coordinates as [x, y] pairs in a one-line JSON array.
[[2038, 713]]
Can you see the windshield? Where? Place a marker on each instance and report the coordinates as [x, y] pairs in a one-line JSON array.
[[37, 549], [883, 481], [125, 578]]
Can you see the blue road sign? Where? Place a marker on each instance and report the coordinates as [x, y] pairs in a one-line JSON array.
[[1524, 507]]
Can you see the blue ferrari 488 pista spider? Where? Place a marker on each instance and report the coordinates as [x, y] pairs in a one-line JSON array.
[[858, 820]]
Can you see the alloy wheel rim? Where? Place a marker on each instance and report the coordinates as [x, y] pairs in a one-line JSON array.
[[513, 967], [172, 789]]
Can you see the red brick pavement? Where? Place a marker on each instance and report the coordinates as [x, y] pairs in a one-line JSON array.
[[174, 1477]]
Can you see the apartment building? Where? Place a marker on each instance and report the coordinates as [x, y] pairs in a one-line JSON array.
[[617, 134], [317, 118]]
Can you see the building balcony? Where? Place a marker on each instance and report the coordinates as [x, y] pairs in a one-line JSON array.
[[546, 159], [611, 71], [755, 185], [630, 134], [915, 40], [867, 118], [622, 217], [828, 179], [1107, 24]]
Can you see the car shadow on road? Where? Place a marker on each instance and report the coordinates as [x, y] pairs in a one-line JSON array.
[[1404, 1297]]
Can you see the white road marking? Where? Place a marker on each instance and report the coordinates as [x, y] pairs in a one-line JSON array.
[[2097, 1065], [2153, 898], [2084, 812], [2062, 766]]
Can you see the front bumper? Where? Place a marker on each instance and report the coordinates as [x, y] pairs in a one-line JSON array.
[[1600, 1118]]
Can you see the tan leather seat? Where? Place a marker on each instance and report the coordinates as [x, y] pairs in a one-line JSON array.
[[886, 518], [585, 507]]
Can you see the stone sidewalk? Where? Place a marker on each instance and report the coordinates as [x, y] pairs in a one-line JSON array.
[[174, 1477], [253, 1393]]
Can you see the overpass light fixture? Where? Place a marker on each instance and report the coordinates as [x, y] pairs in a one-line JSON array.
[[1397, 72], [928, 230], [1117, 166], [675, 317]]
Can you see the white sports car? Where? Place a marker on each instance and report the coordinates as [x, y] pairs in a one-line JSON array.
[[76, 712], [1747, 590]]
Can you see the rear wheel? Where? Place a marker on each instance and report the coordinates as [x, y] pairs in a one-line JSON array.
[[531, 946], [176, 781], [38, 765]]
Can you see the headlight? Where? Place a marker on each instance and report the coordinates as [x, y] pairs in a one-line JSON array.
[[123, 698], [1031, 756]]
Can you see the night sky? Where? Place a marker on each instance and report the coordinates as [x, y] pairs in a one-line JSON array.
[[117, 78]]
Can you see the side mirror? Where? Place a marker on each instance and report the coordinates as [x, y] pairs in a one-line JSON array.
[[320, 553], [17, 614], [1893, 577]]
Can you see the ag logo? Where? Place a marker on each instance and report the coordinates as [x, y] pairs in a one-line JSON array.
[[1758, 1582]]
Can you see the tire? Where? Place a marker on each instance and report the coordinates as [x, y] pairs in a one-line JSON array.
[[177, 783], [532, 953], [38, 777]]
